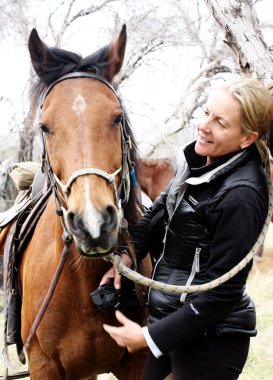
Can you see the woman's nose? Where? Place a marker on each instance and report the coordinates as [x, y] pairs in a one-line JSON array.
[[205, 124]]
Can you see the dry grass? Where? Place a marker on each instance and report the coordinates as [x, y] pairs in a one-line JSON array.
[[259, 364]]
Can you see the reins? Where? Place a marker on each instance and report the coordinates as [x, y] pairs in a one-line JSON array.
[[136, 277], [67, 239]]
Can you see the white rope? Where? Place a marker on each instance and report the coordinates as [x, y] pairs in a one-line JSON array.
[[167, 288]]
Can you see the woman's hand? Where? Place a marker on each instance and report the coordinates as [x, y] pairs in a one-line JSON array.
[[129, 335], [112, 274]]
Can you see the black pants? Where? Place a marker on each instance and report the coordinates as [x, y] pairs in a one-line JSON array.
[[205, 358]]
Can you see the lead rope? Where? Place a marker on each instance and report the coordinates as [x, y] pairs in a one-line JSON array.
[[167, 288]]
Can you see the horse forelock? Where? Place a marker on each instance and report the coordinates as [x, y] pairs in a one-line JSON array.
[[66, 62]]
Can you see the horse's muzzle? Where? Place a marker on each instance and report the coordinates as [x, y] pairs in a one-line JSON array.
[[95, 234]]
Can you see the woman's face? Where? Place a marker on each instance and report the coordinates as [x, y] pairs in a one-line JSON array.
[[220, 131]]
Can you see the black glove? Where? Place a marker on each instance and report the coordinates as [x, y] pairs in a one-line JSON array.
[[106, 297]]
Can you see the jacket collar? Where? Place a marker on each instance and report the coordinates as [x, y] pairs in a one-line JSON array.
[[197, 164], [191, 171]]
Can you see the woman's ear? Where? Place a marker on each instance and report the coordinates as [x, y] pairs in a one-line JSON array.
[[249, 139]]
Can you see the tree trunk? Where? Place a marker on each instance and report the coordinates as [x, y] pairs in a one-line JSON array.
[[27, 136], [238, 20]]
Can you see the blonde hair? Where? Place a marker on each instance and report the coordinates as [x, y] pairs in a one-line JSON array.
[[256, 108]]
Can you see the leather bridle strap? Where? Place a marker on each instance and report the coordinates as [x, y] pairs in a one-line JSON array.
[[77, 74], [68, 240]]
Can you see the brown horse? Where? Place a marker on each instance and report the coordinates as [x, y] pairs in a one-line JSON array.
[[88, 151], [154, 176]]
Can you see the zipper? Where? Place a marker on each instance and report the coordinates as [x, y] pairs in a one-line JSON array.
[[162, 254], [194, 269]]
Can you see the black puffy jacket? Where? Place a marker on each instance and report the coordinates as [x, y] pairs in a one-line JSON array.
[[213, 216]]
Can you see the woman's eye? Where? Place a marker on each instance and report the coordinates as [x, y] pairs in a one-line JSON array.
[[44, 128], [221, 124], [118, 119], [206, 112]]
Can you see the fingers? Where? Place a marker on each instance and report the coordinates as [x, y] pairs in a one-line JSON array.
[[121, 317], [129, 335], [115, 334], [108, 276], [117, 281]]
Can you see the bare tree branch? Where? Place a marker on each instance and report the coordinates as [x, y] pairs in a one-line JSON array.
[[240, 24], [88, 11]]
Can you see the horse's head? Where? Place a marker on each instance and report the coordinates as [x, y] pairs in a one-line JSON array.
[[86, 138]]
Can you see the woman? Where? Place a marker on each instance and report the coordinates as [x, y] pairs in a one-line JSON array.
[[214, 209]]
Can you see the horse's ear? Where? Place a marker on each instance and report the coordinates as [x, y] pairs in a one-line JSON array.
[[38, 51], [116, 54]]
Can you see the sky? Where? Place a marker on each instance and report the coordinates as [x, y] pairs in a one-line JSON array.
[[150, 93]]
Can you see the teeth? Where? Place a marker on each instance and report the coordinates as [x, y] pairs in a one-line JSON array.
[[203, 139]]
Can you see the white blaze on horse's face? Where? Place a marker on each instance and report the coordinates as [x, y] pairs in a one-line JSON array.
[[79, 105], [91, 218]]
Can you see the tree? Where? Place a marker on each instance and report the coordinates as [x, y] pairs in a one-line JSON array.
[[164, 39], [243, 35], [239, 21]]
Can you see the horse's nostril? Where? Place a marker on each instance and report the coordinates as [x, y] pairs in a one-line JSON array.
[[75, 223], [71, 219], [110, 215]]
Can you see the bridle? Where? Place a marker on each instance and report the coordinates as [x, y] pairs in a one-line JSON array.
[[126, 169]]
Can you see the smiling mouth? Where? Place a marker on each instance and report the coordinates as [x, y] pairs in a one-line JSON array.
[[203, 140]]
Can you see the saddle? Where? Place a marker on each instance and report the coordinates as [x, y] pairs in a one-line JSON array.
[[17, 225]]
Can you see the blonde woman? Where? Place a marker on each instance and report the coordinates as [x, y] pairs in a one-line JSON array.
[[214, 209]]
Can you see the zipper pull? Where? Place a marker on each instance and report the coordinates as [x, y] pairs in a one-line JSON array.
[[197, 259], [166, 230]]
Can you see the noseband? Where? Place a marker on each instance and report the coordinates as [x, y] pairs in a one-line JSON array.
[[126, 169]]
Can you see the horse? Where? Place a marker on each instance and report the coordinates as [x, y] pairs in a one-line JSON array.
[[89, 153], [154, 175]]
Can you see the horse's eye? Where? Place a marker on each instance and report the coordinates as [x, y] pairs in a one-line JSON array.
[[118, 119], [44, 128]]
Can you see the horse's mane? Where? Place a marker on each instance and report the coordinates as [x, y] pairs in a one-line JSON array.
[[132, 211], [69, 62]]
